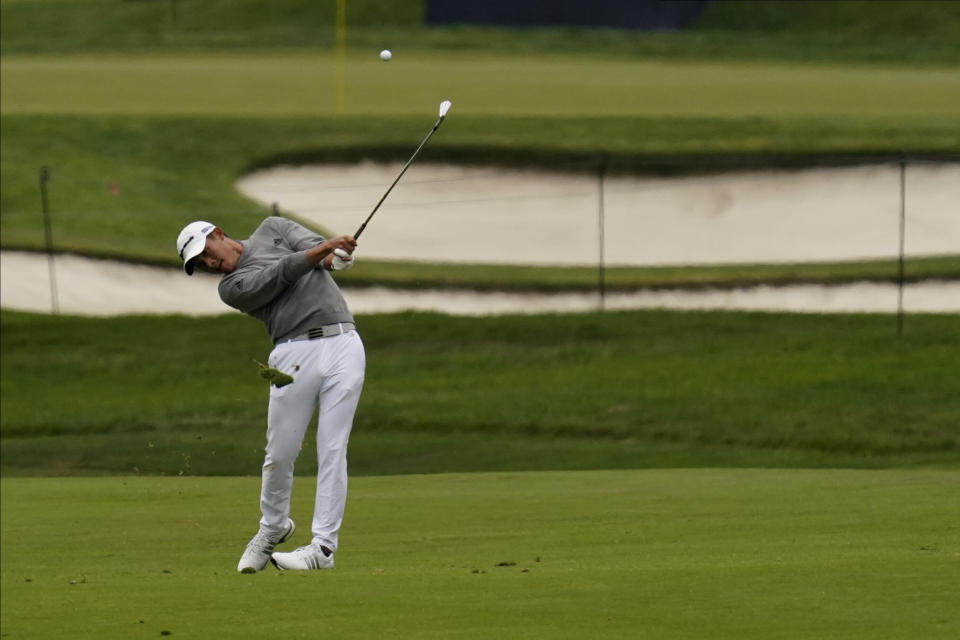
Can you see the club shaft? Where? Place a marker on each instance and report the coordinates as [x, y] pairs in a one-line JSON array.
[[402, 171]]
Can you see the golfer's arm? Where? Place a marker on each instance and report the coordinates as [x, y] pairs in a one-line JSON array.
[[322, 253], [299, 237], [316, 255], [250, 289]]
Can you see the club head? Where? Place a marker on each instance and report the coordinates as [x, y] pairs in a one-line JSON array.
[[444, 107]]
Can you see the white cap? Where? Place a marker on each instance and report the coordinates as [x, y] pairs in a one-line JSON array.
[[191, 242]]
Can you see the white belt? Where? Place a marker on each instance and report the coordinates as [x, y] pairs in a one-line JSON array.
[[325, 331]]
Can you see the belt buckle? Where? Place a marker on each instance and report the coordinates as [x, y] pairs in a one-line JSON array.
[[326, 331]]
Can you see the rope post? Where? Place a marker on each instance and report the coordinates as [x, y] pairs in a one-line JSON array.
[[601, 233], [903, 228], [48, 235]]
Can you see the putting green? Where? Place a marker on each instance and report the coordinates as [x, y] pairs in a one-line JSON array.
[[299, 83], [614, 554]]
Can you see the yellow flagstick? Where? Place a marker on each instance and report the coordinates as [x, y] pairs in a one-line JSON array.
[[340, 60]]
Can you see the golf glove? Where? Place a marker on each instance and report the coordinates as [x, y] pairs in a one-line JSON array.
[[341, 260]]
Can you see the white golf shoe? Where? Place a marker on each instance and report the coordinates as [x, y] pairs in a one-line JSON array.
[[312, 556], [257, 553]]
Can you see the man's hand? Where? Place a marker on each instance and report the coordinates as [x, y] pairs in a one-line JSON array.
[[341, 260], [319, 253], [346, 243]]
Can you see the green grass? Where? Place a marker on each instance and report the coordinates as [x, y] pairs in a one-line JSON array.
[[655, 554], [617, 390], [526, 278], [491, 84], [241, 84], [704, 553]]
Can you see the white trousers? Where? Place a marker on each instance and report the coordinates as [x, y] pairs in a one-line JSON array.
[[327, 374]]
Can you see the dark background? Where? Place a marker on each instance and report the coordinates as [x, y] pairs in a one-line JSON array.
[[623, 14]]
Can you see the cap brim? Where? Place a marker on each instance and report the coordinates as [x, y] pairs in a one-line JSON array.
[[190, 254], [188, 266]]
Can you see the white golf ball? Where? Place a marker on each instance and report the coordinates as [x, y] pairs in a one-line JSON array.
[[385, 55]]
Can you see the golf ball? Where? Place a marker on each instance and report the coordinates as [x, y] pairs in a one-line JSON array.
[[385, 55]]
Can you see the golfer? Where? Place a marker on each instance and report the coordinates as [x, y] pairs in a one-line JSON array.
[[279, 275]]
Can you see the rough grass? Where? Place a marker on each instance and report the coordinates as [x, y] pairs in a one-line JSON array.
[[667, 554], [527, 278], [612, 390]]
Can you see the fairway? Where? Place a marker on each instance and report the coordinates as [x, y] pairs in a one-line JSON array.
[[627, 554], [480, 84]]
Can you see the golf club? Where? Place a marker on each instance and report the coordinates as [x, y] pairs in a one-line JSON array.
[[444, 107]]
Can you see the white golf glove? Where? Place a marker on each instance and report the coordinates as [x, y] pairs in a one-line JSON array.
[[341, 260]]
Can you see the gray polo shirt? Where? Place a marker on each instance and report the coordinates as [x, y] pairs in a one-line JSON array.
[[274, 283]]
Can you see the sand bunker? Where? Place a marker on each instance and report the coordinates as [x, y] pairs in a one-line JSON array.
[[490, 215], [103, 288]]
